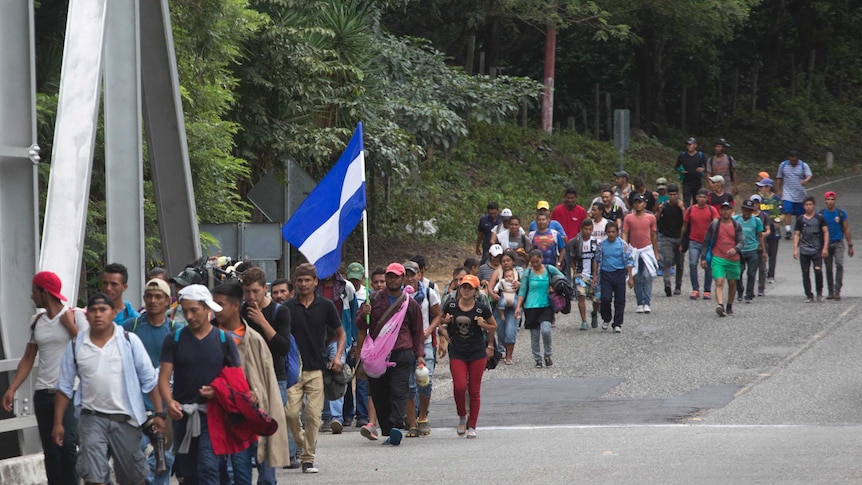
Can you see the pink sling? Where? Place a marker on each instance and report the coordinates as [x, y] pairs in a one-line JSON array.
[[375, 352]]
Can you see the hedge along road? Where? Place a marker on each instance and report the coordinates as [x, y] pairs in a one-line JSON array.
[[772, 394]]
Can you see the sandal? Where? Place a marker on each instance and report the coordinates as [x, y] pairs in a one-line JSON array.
[[412, 433], [424, 427], [461, 429], [509, 361]]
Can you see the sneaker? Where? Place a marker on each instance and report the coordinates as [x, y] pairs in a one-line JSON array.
[[394, 438], [677, 292], [761, 293], [659, 272], [720, 310], [738, 297], [837, 296], [748, 300], [462, 427], [369, 431], [585, 325], [605, 325], [640, 309], [647, 309], [325, 427], [618, 329], [694, 294], [471, 433], [539, 364], [729, 310], [424, 427], [548, 361], [594, 319], [770, 280], [309, 468], [336, 427], [819, 298], [707, 295], [830, 296], [667, 290], [809, 299], [294, 464]]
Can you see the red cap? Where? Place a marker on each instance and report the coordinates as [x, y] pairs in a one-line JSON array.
[[830, 194], [49, 282], [396, 268]]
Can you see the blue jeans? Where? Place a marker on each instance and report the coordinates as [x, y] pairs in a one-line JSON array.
[[643, 285], [751, 261], [333, 410], [200, 466], [152, 478], [240, 465], [694, 250], [361, 399], [59, 461], [507, 329], [544, 331]]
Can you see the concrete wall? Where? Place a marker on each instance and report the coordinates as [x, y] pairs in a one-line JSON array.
[[23, 470]]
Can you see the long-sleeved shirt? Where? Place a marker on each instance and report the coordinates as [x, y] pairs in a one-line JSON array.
[[138, 373]]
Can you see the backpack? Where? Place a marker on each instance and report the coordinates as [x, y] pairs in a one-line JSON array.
[[292, 362]]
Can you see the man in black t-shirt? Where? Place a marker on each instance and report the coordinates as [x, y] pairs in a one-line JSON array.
[[691, 165], [310, 317], [669, 217], [194, 356], [810, 246]]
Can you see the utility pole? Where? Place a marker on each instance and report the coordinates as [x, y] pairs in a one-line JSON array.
[[548, 95]]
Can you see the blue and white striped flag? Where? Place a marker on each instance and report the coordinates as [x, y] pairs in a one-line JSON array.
[[326, 217]]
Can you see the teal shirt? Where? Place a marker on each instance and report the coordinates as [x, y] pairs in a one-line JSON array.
[[534, 287], [751, 229], [127, 313]]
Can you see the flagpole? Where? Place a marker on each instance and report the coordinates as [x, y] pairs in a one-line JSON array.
[[365, 229]]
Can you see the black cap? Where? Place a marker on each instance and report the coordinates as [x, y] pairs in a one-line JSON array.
[[726, 204], [691, 140], [188, 277], [621, 173], [722, 142], [748, 204], [639, 198], [793, 153], [702, 192], [672, 188], [100, 299]]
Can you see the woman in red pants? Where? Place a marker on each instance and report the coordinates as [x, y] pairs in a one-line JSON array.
[[468, 334]]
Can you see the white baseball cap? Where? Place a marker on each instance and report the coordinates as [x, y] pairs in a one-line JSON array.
[[199, 293]]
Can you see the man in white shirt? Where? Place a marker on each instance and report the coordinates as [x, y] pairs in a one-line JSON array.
[[113, 368], [50, 332]]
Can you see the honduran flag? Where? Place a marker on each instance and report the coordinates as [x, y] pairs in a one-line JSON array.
[[326, 217]]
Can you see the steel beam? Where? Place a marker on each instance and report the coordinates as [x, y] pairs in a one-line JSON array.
[[166, 138], [74, 140], [18, 184], [124, 165]]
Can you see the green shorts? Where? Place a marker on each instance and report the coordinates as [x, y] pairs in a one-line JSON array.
[[725, 269]]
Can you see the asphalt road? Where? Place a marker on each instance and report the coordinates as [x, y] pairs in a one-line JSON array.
[[770, 395]]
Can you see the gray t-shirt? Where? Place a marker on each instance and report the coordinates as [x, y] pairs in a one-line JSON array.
[[52, 338], [792, 190], [810, 234]]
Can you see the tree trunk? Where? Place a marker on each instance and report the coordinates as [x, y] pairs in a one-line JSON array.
[[683, 108], [735, 91], [792, 76], [584, 119], [548, 95], [597, 111], [525, 105], [471, 51], [810, 73], [482, 63], [609, 116], [755, 73]]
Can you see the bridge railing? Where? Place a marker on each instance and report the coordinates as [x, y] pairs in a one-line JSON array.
[[23, 413]]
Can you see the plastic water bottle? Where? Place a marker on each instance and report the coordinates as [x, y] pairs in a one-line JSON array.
[[423, 377]]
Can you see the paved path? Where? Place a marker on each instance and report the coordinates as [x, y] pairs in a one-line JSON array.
[[770, 395]]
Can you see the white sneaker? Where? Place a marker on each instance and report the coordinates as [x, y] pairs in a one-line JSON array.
[[618, 330], [640, 309], [647, 309]]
